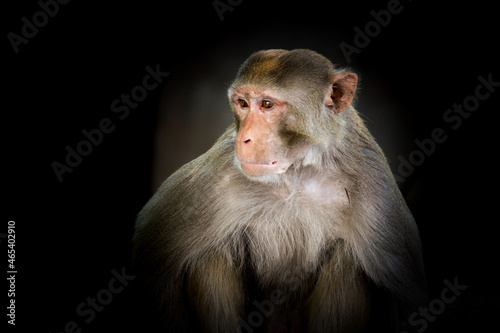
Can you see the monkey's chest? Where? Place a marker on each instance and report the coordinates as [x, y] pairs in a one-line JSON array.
[[285, 248], [286, 232]]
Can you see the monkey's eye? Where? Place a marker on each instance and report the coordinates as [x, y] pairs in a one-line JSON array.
[[242, 103], [267, 104]]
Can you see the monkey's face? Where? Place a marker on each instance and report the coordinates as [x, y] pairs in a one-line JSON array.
[[261, 117], [283, 102]]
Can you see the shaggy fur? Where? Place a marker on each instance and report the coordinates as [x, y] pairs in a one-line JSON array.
[[326, 233]]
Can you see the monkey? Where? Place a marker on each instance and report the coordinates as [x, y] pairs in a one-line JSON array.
[[291, 222]]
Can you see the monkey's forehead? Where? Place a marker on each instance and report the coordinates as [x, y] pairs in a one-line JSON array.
[[283, 68]]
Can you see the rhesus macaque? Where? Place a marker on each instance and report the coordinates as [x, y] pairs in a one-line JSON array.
[[291, 222]]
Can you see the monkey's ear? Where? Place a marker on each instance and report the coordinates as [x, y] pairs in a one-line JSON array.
[[341, 92]]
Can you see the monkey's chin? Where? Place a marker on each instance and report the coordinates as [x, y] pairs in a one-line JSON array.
[[263, 172]]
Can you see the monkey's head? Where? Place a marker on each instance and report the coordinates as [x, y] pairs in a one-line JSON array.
[[278, 99]]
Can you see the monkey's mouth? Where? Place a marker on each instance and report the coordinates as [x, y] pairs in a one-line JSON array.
[[260, 163], [262, 168]]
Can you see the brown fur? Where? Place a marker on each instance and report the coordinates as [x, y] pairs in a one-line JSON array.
[[324, 234]]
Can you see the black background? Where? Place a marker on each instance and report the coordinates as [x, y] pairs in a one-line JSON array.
[[71, 234]]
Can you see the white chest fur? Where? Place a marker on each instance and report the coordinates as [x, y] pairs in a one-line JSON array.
[[287, 228]]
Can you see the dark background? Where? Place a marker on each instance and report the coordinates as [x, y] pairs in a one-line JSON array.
[[72, 234]]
